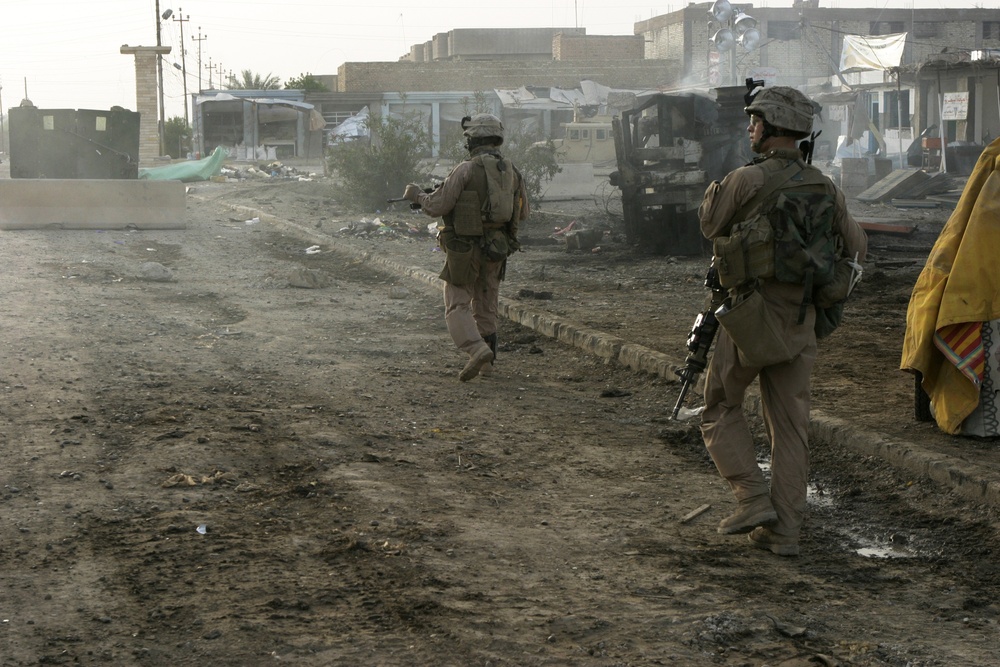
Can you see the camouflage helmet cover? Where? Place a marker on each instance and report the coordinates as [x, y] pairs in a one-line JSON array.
[[482, 125], [785, 108]]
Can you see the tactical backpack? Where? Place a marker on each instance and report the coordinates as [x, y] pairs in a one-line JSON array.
[[792, 240]]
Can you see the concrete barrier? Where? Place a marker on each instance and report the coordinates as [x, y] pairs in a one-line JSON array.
[[91, 204]]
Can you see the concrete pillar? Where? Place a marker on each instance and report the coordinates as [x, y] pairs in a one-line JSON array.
[[147, 98]]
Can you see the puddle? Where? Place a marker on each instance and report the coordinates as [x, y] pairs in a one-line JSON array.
[[891, 547], [871, 549]]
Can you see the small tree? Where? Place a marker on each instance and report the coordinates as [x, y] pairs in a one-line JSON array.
[[532, 154], [371, 170], [249, 80], [306, 82], [176, 137]]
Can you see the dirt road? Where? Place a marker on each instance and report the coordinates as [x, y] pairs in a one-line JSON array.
[[222, 469]]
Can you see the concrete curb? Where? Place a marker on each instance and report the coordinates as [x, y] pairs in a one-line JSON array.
[[968, 481]]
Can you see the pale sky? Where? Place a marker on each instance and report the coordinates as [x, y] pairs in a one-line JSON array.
[[67, 52]]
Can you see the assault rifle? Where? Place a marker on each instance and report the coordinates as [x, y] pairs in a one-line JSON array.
[[414, 205], [699, 341]]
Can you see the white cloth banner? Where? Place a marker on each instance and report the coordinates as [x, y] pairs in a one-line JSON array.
[[864, 53]]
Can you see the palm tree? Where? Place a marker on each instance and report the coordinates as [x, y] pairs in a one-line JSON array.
[[249, 80]]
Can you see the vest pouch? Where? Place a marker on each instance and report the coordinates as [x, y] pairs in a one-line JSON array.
[[757, 237], [746, 254], [729, 265], [755, 331], [495, 246], [461, 266], [468, 215]]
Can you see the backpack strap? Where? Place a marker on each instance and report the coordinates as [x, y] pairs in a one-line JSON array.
[[776, 181]]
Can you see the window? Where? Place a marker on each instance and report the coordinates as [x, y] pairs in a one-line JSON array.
[[991, 30], [574, 135], [602, 135], [783, 30], [892, 110], [585, 134], [886, 27], [924, 29]]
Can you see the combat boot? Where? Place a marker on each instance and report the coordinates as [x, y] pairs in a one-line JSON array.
[[481, 357], [782, 545], [752, 512], [487, 370]]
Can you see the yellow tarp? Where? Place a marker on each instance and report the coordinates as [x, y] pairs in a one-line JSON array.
[[960, 284]]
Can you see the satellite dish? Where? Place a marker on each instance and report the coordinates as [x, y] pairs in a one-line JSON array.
[[721, 11], [744, 22], [724, 40], [750, 39]]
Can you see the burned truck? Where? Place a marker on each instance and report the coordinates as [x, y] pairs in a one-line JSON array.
[[668, 149]]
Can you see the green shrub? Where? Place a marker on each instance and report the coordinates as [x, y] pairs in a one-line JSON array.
[[369, 170]]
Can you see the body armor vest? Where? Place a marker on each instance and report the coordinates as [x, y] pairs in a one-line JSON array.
[[487, 202]]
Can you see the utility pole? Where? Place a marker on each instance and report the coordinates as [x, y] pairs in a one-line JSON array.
[[184, 73], [210, 70], [199, 39], [159, 76]]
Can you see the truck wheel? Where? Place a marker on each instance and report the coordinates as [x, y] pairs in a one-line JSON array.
[[921, 401]]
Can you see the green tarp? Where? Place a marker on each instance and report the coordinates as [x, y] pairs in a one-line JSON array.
[[192, 170]]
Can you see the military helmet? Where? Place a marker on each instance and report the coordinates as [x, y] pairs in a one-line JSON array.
[[482, 125], [785, 108]]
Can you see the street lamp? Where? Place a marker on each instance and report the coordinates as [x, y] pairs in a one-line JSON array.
[[159, 67], [733, 27]]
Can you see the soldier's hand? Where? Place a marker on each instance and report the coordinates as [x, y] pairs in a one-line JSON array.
[[411, 192]]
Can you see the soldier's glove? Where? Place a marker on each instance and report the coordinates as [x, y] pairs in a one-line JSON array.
[[411, 193]]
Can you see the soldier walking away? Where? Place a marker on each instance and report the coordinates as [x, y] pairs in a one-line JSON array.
[[481, 203], [788, 253]]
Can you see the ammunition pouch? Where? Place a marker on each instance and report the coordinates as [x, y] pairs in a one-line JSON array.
[[746, 254], [495, 245], [462, 259], [759, 337]]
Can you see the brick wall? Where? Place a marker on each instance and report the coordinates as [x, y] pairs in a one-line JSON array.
[[405, 76], [595, 47], [147, 98]]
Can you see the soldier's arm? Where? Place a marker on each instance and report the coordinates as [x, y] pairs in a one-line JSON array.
[[443, 199]]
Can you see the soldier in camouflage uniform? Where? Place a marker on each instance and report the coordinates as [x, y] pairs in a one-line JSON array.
[[481, 203], [772, 515]]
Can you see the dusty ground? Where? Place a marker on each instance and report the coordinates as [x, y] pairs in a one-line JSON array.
[[226, 470]]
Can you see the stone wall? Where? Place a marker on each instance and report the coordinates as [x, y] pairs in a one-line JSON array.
[[147, 99], [593, 47]]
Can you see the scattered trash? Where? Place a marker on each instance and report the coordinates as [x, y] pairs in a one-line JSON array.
[[565, 230], [688, 413], [398, 292], [312, 250], [252, 221], [583, 239], [202, 529]]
